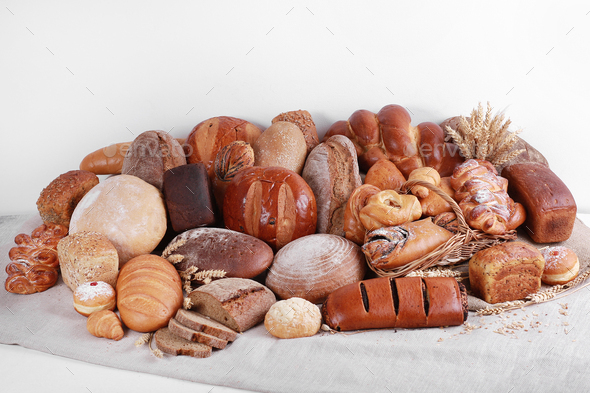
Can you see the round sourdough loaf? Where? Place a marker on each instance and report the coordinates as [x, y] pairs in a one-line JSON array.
[[236, 253], [87, 256], [149, 292], [128, 211], [314, 266]]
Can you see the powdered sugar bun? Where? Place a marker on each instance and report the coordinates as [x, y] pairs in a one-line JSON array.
[[561, 265], [94, 296]]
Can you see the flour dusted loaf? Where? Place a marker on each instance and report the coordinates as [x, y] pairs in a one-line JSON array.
[[237, 303], [314, 266], [303, 120], [87, 256], [237, 254], [128, 211], [506, 272], [293, 318], [282, 144]]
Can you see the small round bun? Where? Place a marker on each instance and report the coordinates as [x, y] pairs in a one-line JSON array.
[[94, 296], [293, 318], [561, 265]]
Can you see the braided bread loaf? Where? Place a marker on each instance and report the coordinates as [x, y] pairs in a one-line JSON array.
[[389, 134]]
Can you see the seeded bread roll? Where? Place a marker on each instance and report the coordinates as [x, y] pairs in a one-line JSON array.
[[58, 200], [235, 302], [171, 344]]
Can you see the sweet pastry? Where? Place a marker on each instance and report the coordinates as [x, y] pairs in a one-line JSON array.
[[188, 197], [447, 220], [313, 266], [550, 206], [128, 211], [293, 318], [506, 272], [433, 204], [151, 154], [384, 175], [389, 134], [388, 208], [58, 200], [237, 303], [406, 302], [484, 200], [236, 254], [271, 203], [230, 160], [87, 256], [208, 137], [561, 265], [332, 172], [105, 324], [283, 145], [194, 335], [34, 265], [94, 296], [392, 247], [354, 230], [201, 323], [426, 174], [171, 344], [149, 292], [303, 120]]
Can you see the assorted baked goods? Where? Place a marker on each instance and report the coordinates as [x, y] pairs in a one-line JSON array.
[[58, 200], [34, 265], [561, 265], [506, 272], [149, 292], [87, 256], [128, 211], [406, 302], [332, 172], [293, 318], [94, 296], [313, 266], [273, 204], [105, 324], [283, 145], [550, 206]]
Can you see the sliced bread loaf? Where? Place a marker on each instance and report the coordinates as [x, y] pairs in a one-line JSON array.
[[201, 323], [237, 303], [193, 335], [174, 345]]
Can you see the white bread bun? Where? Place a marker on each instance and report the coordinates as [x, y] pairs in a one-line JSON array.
[[293, 318]]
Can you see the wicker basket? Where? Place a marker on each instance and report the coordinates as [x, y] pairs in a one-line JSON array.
[[458, 248]]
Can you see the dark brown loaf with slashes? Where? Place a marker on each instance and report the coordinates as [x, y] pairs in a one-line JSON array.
[[406, 302]]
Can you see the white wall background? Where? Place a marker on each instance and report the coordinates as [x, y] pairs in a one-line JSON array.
[[78, 75]]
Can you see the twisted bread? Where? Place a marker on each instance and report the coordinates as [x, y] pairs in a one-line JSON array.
[[389, 134]]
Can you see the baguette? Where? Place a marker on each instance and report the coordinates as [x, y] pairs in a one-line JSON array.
[[406, 302]]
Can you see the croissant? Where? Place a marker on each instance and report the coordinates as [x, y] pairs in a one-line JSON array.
[[388, 208], [483, 198], [353, 227], [427, 174], [105, 323]]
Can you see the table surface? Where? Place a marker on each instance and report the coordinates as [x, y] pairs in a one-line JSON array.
[[59, 374]]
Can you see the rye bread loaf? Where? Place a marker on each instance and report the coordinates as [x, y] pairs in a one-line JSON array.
[[174, 345], [193, 335], [201, 323], [332, 172], [237, 254], [235, 302]]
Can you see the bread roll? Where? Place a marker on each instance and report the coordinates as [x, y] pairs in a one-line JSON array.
[[128, 211], [561, 265], [87, 256], [384, 175], [149, 292], [293, 318], [283, 145], [302, 119], [354, 229], [388, 208], [332, 172], [94, 296], [313, 266], [58, 200]]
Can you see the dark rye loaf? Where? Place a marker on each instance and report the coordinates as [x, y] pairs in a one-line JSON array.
[[201, 323], [190, 334], [174, 345], [238, 254]]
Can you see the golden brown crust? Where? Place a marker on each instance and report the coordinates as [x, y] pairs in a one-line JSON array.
[[385, 175], [433, 204], [105, 324], [354, 229], [388, 208], [304, 121]]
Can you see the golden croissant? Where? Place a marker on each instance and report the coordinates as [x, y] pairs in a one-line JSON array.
[[427, 174], [105, 323]]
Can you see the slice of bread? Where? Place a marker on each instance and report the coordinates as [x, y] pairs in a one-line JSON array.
[[201, 323], [174, 345], [190, 334]]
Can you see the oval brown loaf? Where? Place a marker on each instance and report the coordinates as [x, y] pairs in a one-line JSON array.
[[314, 266], [303, 120], [282, 144], [237, 254], [237, 303]]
